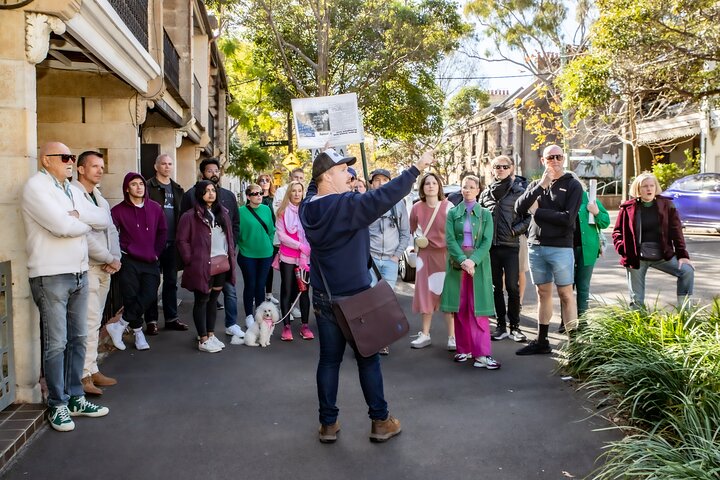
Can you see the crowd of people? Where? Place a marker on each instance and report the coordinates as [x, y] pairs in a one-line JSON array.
[[472, 254]]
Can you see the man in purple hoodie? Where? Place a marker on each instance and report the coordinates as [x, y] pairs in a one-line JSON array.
[[143, 232]]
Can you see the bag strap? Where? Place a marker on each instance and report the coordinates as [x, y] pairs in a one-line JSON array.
[[252, 210], [432, 219]]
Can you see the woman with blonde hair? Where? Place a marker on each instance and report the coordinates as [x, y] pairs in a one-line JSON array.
[[293, 260], [648, 233], [429, 215]]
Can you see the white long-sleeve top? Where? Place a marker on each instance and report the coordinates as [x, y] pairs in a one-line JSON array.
[[56, 241], [103, 245]]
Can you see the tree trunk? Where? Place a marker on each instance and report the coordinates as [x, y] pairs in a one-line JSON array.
[[632, 123]]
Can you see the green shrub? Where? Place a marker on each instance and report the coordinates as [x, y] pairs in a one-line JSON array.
[[667, 173], [660, 371]]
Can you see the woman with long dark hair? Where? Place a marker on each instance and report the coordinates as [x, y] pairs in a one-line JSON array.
[[205, 243]]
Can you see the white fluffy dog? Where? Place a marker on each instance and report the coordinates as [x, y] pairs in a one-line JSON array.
[[266, 315]]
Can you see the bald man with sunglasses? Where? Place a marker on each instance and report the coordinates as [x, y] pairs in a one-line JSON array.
[[553, 201], [57, 219]]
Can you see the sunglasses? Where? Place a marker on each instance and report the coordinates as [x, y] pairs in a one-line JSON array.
[[554, 157], [254, 194], [504, 167], [263, 180], [65, 157]]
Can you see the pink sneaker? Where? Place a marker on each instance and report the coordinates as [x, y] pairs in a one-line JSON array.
[[306, 333], [286, 334]]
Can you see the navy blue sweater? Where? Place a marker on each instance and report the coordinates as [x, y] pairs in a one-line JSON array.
[[336, 227]]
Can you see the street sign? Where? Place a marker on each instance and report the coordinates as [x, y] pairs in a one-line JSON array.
[[274, 143]]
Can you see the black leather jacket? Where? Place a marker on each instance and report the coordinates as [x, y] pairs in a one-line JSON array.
[[508, 224]]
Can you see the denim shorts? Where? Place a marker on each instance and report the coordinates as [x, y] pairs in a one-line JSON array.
[[551, 264]]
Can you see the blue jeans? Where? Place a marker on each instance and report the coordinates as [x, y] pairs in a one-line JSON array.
[[254, 272], [332, 349], [636, 279], [230, 298], [62, 301], [388, 270]]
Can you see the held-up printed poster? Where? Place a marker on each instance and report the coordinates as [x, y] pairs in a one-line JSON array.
[[320, 120]]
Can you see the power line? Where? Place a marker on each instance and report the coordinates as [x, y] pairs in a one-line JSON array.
[[489, 77]]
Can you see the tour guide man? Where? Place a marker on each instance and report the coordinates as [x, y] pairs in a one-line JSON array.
[[336, 222]]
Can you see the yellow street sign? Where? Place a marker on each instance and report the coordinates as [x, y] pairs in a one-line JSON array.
[[291, 161]]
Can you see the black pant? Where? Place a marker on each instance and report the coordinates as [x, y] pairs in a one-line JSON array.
[[269, 281], [205, 311], [168, 267], [288, 293], [139, 282], [505, 260]]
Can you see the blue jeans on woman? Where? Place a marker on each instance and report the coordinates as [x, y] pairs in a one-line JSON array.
[[62, 300], [636, 279], [332, 349], [254, 272]]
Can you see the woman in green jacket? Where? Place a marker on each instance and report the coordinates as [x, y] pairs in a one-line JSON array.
[[467, 291], [587, 249], [255, 249]]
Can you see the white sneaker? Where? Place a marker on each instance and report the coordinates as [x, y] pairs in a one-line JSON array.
[[216, 341], [140, 342], [208, 346], [249, 320], [486, 362], [451, 345], [235, 330], [295, 312], [269, 297], [116, 330], [421, 341]]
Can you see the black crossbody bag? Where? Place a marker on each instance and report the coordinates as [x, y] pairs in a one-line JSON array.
[[651, 251]]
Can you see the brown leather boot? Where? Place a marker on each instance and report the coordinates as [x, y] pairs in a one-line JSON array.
[[328, 433], [384, 430], [89, 387], [102, 381]]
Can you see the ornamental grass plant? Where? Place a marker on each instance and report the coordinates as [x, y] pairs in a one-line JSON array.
[[659, 372]]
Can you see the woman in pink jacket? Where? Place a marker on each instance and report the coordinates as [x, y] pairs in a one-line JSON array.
[[294, 260]]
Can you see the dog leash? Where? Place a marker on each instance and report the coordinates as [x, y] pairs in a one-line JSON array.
[[293, 304]]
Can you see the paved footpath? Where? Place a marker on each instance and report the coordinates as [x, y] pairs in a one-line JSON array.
[[252, 413]]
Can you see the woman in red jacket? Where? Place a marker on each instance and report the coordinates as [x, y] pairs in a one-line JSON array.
[[648, 233], [204, 240]]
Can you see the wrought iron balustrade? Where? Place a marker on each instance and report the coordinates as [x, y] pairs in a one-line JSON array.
[[171, 63], [135, 15]]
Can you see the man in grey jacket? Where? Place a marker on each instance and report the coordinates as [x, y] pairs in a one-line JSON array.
[[389, 234], [104, 260]]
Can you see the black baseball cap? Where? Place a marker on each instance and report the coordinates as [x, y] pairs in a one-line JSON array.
[[328, 159], [380, 171]]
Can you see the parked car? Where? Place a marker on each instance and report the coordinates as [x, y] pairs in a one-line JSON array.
[[697, 199], [406, 265]]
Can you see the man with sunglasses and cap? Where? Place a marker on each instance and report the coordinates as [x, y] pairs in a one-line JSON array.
[[57, 219], [553, 202], [336, 222], [499, 197]]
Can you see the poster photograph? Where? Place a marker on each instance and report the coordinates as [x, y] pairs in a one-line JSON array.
[[321, 120]]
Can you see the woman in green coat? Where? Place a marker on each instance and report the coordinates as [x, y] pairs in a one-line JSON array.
[[587, 249], [467, 291]]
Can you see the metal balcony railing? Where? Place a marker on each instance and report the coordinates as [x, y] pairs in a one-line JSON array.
[[135, 15], [197, 99], [171, 63]]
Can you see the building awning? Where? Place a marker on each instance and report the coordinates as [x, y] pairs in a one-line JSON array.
[[686, 125]]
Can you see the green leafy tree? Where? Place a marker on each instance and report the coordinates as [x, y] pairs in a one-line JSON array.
[[386, 52], [532, 34]]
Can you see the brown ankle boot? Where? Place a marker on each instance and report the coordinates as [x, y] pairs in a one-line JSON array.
[[328, 433], [384, 430], [102, 381], [89, 387]]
